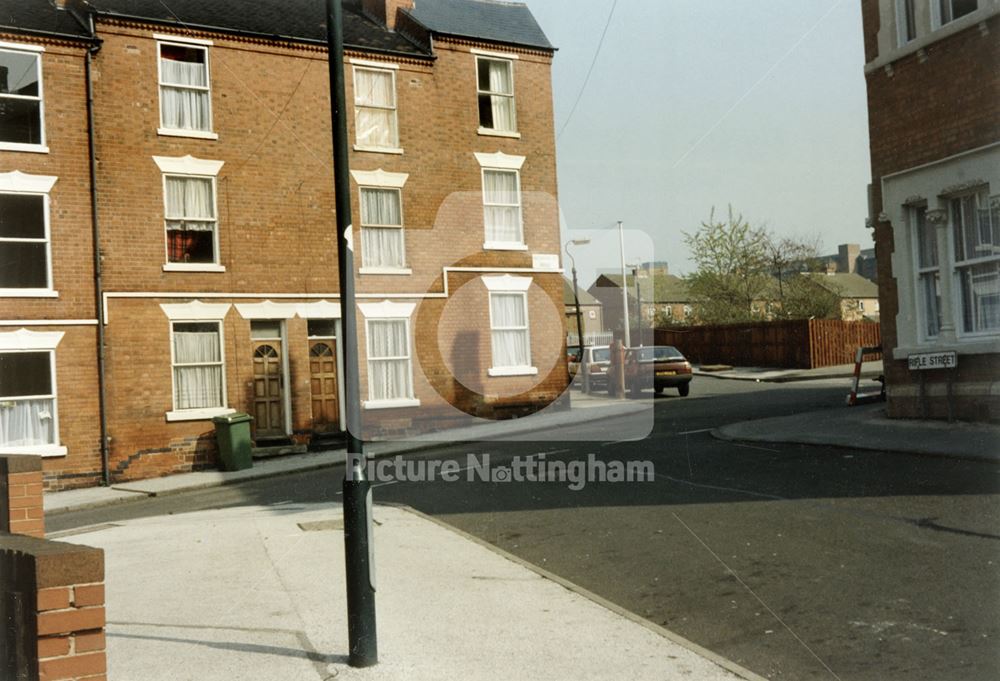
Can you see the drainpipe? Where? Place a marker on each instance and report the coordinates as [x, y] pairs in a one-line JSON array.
[[98, 282]]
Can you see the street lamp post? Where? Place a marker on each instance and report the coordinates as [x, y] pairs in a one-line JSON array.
[[358, 557], [621, 241], [582, 364]]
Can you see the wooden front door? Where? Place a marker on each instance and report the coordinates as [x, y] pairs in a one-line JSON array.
[[268, 399], [323, 374]]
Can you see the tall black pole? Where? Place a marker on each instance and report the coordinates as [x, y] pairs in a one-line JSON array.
[[362, 639]]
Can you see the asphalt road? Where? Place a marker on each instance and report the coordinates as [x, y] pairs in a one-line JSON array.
[[796, 562]]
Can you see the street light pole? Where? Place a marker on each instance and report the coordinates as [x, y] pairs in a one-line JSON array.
[[582, 364], [358, 557], [638, 302], [621, 240]]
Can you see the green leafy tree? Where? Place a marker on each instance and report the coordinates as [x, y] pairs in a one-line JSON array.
[[732, 269]]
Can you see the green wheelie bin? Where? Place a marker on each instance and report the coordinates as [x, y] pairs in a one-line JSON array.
[[232, 431]]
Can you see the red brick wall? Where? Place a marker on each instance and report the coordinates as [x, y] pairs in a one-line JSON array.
[[276, 223], [64, 621], [71, 244], [21, 496], [930, 107]]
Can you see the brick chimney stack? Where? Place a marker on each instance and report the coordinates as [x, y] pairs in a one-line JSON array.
[[385, 12]]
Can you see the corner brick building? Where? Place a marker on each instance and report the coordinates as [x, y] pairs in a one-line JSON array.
[[214, 208], [933, 77]]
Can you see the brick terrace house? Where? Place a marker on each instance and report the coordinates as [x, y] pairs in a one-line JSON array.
[[48, 306], [218, 288], [933, 76]]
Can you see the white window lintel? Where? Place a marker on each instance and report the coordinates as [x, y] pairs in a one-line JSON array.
[[379, 178], [16, 181], [387, 310], [500, 161], [493, 55], [25, 339], [188, 165], [321, 309], [267, 310], [195, 311], [507, 283], [168, 38]]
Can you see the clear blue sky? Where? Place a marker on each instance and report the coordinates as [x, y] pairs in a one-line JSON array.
[[699, 104]]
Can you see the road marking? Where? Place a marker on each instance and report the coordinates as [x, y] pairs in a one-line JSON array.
[[692, 432], [720, 488], [764, 449]]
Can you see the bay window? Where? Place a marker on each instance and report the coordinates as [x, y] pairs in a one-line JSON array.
[[946, 11], [975, 220], [928, 272]]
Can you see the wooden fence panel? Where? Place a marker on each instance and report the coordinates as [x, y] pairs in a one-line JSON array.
[[791, 344]]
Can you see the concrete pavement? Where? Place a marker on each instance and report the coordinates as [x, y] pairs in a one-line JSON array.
[[258, 593], [868, 427]]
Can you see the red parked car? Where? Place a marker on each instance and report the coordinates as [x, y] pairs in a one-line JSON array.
[[657, 367]]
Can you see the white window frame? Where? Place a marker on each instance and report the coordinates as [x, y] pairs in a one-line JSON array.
[[41, 147], [32, 185], [903, 26], [26, 341], [387, 311], [379, 179], [381, 269], [937, 21], [957, 265], [508, 285], [500, 162], [921, 271], [194, 44], [200, 413], [361, 65], [193, 168], [481, 56]]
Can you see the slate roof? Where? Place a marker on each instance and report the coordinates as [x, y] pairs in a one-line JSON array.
[[491, 20], [38, 17], [845, 285], [658, 288], [287, 19], [585, 297]]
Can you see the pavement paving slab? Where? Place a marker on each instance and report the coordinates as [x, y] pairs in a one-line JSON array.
[[245, 593]]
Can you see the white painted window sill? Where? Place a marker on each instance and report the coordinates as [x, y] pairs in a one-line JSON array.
[[379, 150], [197, 414], [28, 293], [35, 450], [391, 404], [513, 371], [192, 267], [386, 270], [964, 346], [20, 146], [504, 246], [490, 132], [195, 134]]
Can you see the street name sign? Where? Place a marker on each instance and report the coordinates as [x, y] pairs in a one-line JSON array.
[[933, 360]]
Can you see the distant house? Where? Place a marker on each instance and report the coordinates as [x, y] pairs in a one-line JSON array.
[[591, 312], [660, 294], [858, 296]]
